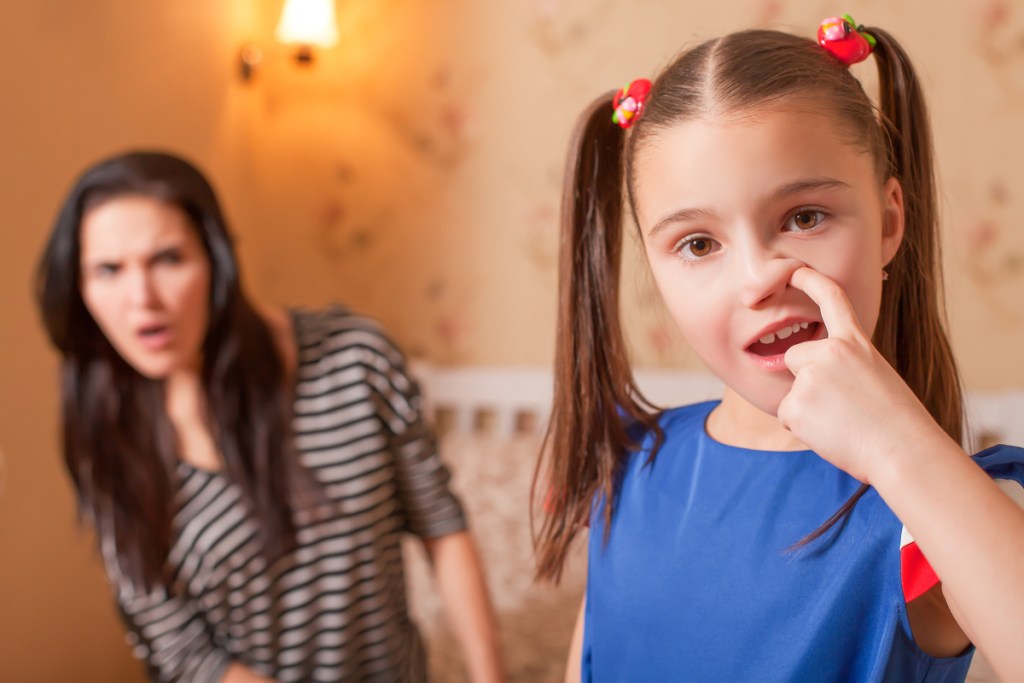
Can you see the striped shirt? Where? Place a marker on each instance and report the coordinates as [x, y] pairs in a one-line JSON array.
[[335, 609]]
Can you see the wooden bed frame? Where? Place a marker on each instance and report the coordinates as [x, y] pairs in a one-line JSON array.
[[506, 400]]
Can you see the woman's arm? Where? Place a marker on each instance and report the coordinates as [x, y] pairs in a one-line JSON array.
[[460, 581], [171, 636], [432, 511]]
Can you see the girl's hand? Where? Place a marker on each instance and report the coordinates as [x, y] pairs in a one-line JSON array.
[[847, 403]]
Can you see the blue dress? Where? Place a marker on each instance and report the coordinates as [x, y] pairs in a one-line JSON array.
[[698, 583]]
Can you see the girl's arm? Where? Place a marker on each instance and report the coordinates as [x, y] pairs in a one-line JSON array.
[[573, 668], [973, 536], [850, 406], [460, 581]]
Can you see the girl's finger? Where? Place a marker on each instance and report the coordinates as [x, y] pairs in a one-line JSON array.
[[836, 312], [801, 355]]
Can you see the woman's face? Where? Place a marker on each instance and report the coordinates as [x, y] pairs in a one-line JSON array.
[[145, 279], [730, 208]]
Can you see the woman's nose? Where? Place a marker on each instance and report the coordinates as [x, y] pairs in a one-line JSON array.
[[764, 274], [140, 288]]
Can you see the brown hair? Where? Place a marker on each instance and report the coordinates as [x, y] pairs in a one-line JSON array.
[[598, 414]]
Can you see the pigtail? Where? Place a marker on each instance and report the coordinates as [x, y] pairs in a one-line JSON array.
[[911, 332], [911, 328], [596, 403]]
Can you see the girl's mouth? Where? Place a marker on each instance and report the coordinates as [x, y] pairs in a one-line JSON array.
[[778, 342]]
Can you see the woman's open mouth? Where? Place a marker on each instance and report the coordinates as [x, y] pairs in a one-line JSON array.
[[155, 337]]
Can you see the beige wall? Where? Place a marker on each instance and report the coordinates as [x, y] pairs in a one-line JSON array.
[[413, 173]]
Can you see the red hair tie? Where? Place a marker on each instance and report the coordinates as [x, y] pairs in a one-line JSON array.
[[629, 102], [847, 41]]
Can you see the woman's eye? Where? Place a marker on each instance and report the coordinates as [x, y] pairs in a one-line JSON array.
[[169, 257], [105, 269], [696, 247], [805, 220]]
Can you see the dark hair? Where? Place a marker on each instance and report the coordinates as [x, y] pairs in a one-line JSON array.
[[595, 398], [119, 446]]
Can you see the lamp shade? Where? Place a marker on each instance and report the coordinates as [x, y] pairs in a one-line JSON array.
[[308, 22]]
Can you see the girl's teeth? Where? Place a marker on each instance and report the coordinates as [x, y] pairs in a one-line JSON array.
[[784, 333]]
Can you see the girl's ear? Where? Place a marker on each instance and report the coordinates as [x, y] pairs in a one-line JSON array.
[[892, 219]]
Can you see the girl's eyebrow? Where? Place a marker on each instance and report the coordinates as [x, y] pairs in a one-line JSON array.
[[779, 193], [799, 186], [681, 216]]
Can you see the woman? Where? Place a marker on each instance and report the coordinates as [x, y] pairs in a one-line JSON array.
[[248, 471]]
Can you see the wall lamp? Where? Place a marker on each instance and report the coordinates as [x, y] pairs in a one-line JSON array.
[[304, 24]]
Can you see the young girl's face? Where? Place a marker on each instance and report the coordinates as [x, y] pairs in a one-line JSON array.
[[145, 279], [728, 209]]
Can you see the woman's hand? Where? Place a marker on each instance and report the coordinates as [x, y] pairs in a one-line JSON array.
[[237, 673], [460, 580], [847, 403]]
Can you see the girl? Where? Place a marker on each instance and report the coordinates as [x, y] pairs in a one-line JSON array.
[[791, 230], [248, 471]]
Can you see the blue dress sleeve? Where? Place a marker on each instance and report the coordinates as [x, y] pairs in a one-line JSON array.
[[586, 675], [1002, 462]]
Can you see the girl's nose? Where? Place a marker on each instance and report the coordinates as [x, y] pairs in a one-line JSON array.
[[764, 275]]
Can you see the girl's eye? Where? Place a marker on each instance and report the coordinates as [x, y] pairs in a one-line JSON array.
[[805, 219], [105, 269], [695, 247]]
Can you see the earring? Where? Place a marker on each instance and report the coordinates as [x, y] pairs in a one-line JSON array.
[[885, 275]]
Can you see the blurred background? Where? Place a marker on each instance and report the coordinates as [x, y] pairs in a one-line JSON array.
[[411, 171]]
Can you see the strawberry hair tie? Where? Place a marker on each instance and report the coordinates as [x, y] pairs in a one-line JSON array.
[[629, 102], [847, 41]]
